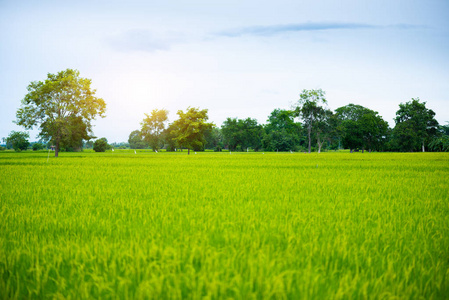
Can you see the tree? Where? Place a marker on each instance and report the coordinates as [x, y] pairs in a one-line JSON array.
[[323, 127], [63, 104], [440, 141], [282, 132], [214, 139], [361, 127], [190, 127], [440, 144], [77, 131], [310, 108], [37, 146], [374, 131], [444, 129], [242, 133], [18, 140], [415, 126], [153, 128], [101, 145], [230, 130], [170, 138], [88, 144], [136, 141]]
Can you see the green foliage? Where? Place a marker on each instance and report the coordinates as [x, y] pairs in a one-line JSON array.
[[101, 145], [440, 144], [441, 141], [75, 132], [214, 139], [415, 126], [240, 134], [37, 146], [278, 140], [444, 129], [170, 138], [2, 148], [282, 132], [153, 128], [220, 226], [311, 109], [63, 106], [121, 145], [361, 128], [88, 144], [136, 140], [189, 129], [18, 140]]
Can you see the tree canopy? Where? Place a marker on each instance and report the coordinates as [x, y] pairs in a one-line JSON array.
[[282, 132], [311, 109], [242, 133], [18, 140], [136, 140], [153, 127], [101, 145], [63, 106], [189, 129], [415, 126], [361, 127]]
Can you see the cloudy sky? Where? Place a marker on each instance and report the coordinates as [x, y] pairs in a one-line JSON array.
[[236, 58]]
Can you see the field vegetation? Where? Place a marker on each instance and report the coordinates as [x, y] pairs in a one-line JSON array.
[[219, 225]]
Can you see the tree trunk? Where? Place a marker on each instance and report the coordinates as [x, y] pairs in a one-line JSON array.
[[188, 151], [309, 132], [57, 148], [319, 144], [423, 149]]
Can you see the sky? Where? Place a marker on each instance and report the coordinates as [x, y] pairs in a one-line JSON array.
[[237, 59]]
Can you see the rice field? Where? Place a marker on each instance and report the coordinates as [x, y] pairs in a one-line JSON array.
[[120, 225]]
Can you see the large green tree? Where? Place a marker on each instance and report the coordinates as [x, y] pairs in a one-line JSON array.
[[214, 139], [189, 129], [58, 104], [242, 133], [170, 138], [361, 127], [76, 131], [136, 140], [415, 126], [282, 132], [101, 145], [311, 108], [440, 142], [18, 140], [153, 128], [323, 127]]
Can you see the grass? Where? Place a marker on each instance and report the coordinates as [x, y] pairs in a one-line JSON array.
[[220, 225]]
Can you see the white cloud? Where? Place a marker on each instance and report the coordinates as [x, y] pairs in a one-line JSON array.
[[139, 40]]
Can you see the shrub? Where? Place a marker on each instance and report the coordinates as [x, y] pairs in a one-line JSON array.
[[37, 146], [18, 140], [101, 145]]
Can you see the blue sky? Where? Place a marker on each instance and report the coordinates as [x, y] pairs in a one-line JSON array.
[[236, 58]]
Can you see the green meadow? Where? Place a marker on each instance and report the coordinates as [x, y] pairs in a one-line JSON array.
[[119, 225]]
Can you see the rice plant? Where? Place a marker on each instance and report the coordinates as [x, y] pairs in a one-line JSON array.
[[219, 226]]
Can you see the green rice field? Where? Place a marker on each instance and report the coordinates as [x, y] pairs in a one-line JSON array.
[[119, 225]]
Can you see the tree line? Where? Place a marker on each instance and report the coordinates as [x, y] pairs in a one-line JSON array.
[[309, 126], [64, 105]]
